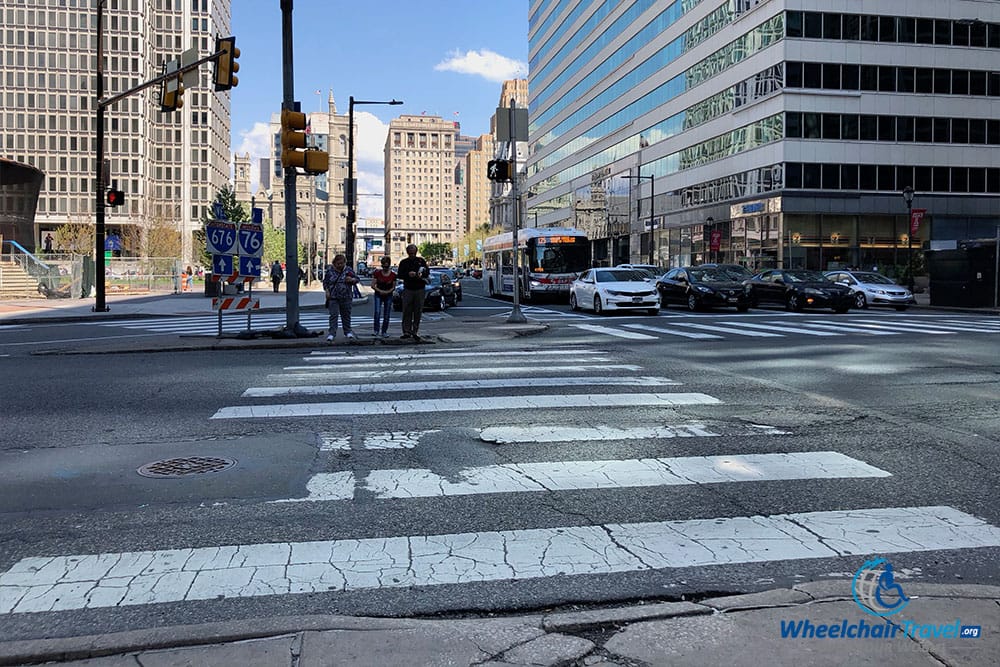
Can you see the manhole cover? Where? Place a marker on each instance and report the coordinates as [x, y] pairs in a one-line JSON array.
[[191, 465]]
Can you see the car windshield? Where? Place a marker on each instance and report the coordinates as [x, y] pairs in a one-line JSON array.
[[710, 276], [644, 274], [435, 278], [876, 278], [806, 277], [616, 276]]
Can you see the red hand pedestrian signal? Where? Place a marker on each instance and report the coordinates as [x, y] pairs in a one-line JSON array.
[[116, 198]]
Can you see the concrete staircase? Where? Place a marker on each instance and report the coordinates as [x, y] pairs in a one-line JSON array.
[[15, 282]]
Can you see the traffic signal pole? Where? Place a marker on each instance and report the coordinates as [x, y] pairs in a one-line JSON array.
[[292, 326]]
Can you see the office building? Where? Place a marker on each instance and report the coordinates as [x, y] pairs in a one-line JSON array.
[[767, 133], [169, 165], [420, 182]]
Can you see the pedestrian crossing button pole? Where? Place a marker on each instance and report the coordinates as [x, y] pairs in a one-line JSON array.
[[516, 130]]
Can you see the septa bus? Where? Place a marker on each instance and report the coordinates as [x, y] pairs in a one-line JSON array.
[[550, 259]]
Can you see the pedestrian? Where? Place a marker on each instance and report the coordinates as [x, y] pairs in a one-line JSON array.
[[189, 285], [48, 243], [414, 272], [383, 285], [337, 285], [277, 275]]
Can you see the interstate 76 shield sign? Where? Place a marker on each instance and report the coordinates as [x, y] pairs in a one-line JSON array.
[[251, 237], [220, 237]]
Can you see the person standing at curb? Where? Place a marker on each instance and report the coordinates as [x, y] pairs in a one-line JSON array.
[[338, 285], [383, 285], [414, 272], [276, 275]]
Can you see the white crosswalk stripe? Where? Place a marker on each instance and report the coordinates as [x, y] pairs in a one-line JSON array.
[[672, 332], [611, 331]]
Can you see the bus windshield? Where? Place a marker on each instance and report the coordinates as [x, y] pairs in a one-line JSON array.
[[560, 258]]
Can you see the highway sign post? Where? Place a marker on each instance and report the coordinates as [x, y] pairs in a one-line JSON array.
[[236, 250]]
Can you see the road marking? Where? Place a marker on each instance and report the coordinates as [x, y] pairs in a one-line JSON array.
[[847, 329], [327, 486], [346, 356], [576, 475], [505, 435], [407, 363], [905, 328], [59, 583], [953, 327], [395, 440], [781, 327], [673, 332], [738, 332], [613, 332], [373, 372], [467, 404], [993, 324], [330, 442], [441, 385]]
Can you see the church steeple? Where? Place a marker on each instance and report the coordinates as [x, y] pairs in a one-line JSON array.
[[332, 103]]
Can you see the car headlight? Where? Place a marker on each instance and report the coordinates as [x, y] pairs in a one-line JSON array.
[[703, 289], [534, 283]]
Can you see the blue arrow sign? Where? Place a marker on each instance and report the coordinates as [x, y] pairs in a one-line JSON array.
[[222, 265], [219, 211], [257, 216], [220, 237], [250, 267]]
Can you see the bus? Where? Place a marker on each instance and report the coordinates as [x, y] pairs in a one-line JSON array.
[[550, 259]]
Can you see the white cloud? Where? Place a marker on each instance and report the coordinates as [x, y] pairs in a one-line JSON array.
[[257, 142], [487, 64]]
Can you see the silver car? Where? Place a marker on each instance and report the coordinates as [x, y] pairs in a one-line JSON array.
[[873, 289]]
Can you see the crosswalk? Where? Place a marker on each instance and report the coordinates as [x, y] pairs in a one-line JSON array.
[[544, 403], [808, 327]]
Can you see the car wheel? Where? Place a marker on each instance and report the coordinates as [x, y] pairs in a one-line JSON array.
[[860, 301], [572, 301], [693, 304], [442, 303], [793, 303], [901, 308], [598, 308]]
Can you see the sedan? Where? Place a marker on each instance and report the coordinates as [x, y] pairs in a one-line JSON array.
[[456, 279], [613, 289], [697, 287], [796, 289], [874, 289], [438, 293]]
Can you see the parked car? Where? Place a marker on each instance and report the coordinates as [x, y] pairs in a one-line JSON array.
[[438, 293], [456, 279], [613, 289], [649, 275], [737, 270], [870, 288], [796, 289], [697, 287]]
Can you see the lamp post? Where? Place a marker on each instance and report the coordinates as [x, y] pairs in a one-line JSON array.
[[352, 198], [908, 198], [652, 243]]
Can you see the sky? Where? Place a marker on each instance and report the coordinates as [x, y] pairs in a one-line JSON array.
[[443, 58]]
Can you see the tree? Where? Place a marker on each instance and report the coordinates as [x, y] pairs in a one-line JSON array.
[[480, 234], [435, 252], [76, 239]]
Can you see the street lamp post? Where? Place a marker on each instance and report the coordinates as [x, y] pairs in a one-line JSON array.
[[652, 243], [908, 198], [352, 198]]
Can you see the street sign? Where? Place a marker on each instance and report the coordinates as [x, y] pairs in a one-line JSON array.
[[219, 211], [249, 266], [222, 265], [257, 216], [251, 236], [220, 237]]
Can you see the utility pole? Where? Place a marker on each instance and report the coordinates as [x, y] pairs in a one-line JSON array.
[[292, 326]]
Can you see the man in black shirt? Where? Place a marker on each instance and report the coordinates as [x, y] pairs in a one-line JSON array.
[[414, 272]]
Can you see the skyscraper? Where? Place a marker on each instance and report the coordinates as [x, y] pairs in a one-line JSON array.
[[170, 165], [769, 134]]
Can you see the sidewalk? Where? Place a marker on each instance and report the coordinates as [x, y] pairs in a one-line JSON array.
[[734, 630], [468, 329]]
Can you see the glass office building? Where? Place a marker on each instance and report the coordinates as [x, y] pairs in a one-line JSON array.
[[768, 133]]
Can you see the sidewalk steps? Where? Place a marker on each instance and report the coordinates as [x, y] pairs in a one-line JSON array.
[[15, 282]]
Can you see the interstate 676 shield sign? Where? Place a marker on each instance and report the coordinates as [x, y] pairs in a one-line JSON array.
[[220, 237]]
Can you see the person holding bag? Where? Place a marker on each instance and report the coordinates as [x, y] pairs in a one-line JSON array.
[[337, 283], [383, 285]]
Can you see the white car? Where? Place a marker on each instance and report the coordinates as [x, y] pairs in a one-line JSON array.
[[613, 289], [870, 288]]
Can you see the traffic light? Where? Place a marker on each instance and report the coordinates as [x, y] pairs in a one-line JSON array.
[[498, 170], [172, 94], [116, 198], [294, 152], [226, 66]]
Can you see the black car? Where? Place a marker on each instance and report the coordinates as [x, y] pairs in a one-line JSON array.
[[738, 271], [438, 293], [796, 289], [697, 287], [456, 279]]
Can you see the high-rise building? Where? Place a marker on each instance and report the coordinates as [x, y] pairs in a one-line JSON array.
[[478, 186], [420, 182], [767, 133], [170, 165]]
